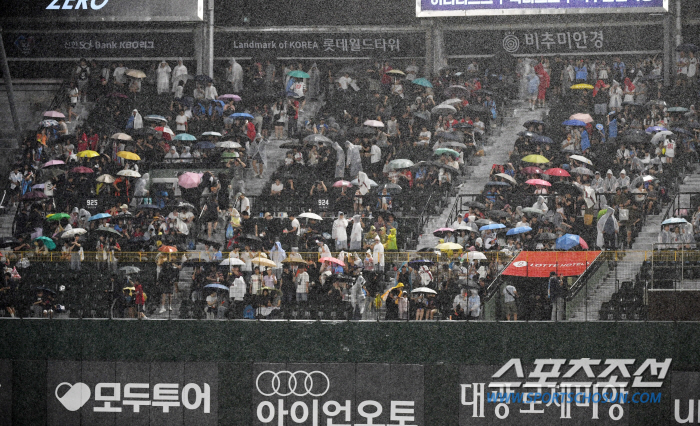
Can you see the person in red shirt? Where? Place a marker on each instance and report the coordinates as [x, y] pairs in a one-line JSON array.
[[250, 130]]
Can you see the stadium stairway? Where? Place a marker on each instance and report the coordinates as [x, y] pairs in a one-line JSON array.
[[497, 150]]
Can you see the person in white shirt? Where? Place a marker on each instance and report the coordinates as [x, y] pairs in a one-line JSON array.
[[340, 234], [378, 254], [242, 203], [323, 249], [276, 188], [344, 81], [424, 136], [120, 74], [210, 93], [302, 282]]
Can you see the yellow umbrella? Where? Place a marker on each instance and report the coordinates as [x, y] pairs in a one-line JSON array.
[[581, 86], [128, 155], [534, 158], [448, 246], [261, 261], [88, 153], [397, 72]]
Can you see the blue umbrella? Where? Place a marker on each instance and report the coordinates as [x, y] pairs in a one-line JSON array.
[[185, 137], [542, 139], [99, 216], [568, 241], [216, 286], [653, 129], [492, 226], [205, 145], [497, 183], [422, 82], [674, 221], [574, 123], [241, 115], [519, 230]]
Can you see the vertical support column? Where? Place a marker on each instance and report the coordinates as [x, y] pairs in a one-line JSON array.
[[10, 93], [439, 59], [210, 39], [428, 67], [199, 47], [668, 50]]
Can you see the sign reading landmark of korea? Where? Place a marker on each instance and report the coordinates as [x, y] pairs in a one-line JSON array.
[[427, 8], [541, 263]]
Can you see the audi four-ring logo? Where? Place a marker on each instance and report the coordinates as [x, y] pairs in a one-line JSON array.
[[298, 383]]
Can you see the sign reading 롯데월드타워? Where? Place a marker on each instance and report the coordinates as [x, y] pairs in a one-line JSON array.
[[428, 8]]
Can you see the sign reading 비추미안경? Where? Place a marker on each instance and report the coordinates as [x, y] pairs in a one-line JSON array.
[[428, 8]]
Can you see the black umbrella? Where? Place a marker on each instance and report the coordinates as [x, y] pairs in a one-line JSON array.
[[203, 78], [444, 166], [147, 206], [417, 263], [542, 139], [465, 126], [250, 239], [565, 188], [9, 242], [529, 123], [451, 136], [48, 290], [291, 145]]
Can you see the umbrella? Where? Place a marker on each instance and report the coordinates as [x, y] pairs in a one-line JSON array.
[[205, 145], [448, 246], [332, 260], [38, 186], [190, 179], [601, 213], [229, 155], [534, 158], [542, 139], [53, 163], [229, 96], [361, 131], [658, 137], [586, 118], [262, 261], [452, 101], [464, 226], [443, 109], [453, 144], [371, 183], [527, 134], [546, 236], [51, 173], [391, 188], [507, 177], [342, 183], [54, 114], [492, 226], [185, 137], [48, 123], [99, 216], [423, 290], [122, 137], [519, 230], [241, 115], [295, 258], [456, 90], [397, 72], [529, 123], [217, 286], [128, 155], [496, 183], [677, 109], [33, 195], [423, 115], [653, 129], [556, 171], [568, 241], [129, 173], [73, 232], [581, 86], [441, 232], [463, 126], [422, 82], [232, 261], [686, 47], [108, 230], [164, 129], [578, 123], [474, 255], [130, 269], [136, 74], [581, 159], [210, 133], [58, 216], [309, 215], [81, 169], [291, 145], [298, 74], [451, 136], [582, 171], [532, 210], [316, 138], [48, 242], [448, 151], [673, 221], [48, 290], [9, 242], [532, 170], [400, 164], [373, 123], [167, 249], [228, 145], [648, 178]]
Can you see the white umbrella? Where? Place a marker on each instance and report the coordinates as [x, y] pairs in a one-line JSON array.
[[129, 173], [464, 226], [373, 123], [210, 133], [105, 178], [581, 159], [122, 137], [474, 255], [423, 290], [443, 108], [452, 101], [309, 215], [232, 261], [648, 178], [507, 177], [228, 144], [73, 232], [661, 136]]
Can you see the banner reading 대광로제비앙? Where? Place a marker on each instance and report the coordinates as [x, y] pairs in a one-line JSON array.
[[541, 263]]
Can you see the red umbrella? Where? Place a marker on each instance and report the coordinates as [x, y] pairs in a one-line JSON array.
[[190, 179], [167, 133], [582, 243], [342, 183], [81, 169], [167, 249], [556, 171], [538, 182], [531, 170], [332, 260]]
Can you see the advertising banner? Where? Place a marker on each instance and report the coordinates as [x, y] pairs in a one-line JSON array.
[[103, 10], [427, 8], [591, 40], [541, 263]]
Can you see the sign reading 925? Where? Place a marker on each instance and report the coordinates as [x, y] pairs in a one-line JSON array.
[[428, 8]]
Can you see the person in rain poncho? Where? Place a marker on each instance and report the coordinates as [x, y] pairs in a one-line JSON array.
[[235, 76], [609, 183], [178, 71], [390, 244], [358, 296], [186, 154], [163, 79], [607, 229], [340, 234], [314, 82], [340, 161], [323, 249], [597, 182], [135, 121], [665, 238], [277, 255], [541, 204], [257, 151], [533, 84], [356, 234], [378, 254], [353, 161], [172, 156], [624, 180]]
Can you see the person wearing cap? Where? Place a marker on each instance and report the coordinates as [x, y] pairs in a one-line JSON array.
[[597, 182], [378, 254], [339, 232], [624, 180], [609, 183]]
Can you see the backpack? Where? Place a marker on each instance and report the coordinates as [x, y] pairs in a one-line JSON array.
[[229, 231], [249, 312]]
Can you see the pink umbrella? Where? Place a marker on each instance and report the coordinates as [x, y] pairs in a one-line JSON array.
[[556, 171], [332, 260], [53, 163], [440, 232], [586, 118], [54, 114], [190, 179], [229, 96], [342, 183], [538, 182], [582, 243], [81, 169]]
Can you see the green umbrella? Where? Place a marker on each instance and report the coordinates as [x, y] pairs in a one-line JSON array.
[[229, 155], [185, 137], [601, 213], [58, 216], [48, 242], [298, 74], [451, 152], [422, 82], [400, 164]]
